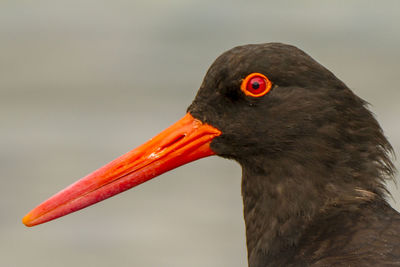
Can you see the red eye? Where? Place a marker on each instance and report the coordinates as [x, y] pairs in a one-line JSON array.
[[256, 85]]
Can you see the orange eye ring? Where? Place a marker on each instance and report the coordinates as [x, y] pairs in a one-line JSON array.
[[256, 85]]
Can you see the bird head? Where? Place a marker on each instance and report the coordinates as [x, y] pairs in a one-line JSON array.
[[300, 114]]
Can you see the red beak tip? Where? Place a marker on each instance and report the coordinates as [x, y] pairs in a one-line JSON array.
[[26, 220]]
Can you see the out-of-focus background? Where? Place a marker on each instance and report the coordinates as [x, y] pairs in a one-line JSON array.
[[82, 82]]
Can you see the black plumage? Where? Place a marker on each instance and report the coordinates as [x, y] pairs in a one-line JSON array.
[[314, 160]]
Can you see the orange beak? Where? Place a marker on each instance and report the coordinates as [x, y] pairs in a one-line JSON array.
[[185, 141]]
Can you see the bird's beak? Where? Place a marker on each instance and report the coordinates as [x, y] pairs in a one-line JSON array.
[[185, 141]]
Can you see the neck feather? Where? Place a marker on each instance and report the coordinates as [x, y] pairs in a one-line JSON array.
[[280, 201]]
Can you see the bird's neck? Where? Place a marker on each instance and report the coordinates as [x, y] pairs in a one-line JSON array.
[[280, 201]]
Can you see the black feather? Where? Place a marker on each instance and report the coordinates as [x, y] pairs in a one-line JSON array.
[[314, 160]]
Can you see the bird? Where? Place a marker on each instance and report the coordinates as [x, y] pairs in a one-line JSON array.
[[314, 160]]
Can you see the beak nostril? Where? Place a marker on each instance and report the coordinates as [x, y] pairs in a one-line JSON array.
[[173, 141]]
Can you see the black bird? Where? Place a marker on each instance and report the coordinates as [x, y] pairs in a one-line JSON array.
[[314, 160]]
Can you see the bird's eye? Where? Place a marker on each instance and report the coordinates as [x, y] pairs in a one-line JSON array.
[[256, 85]]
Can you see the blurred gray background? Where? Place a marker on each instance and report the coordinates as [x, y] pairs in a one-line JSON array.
[[82, 82]]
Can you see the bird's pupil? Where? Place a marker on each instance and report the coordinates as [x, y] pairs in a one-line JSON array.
[[255, 85]]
